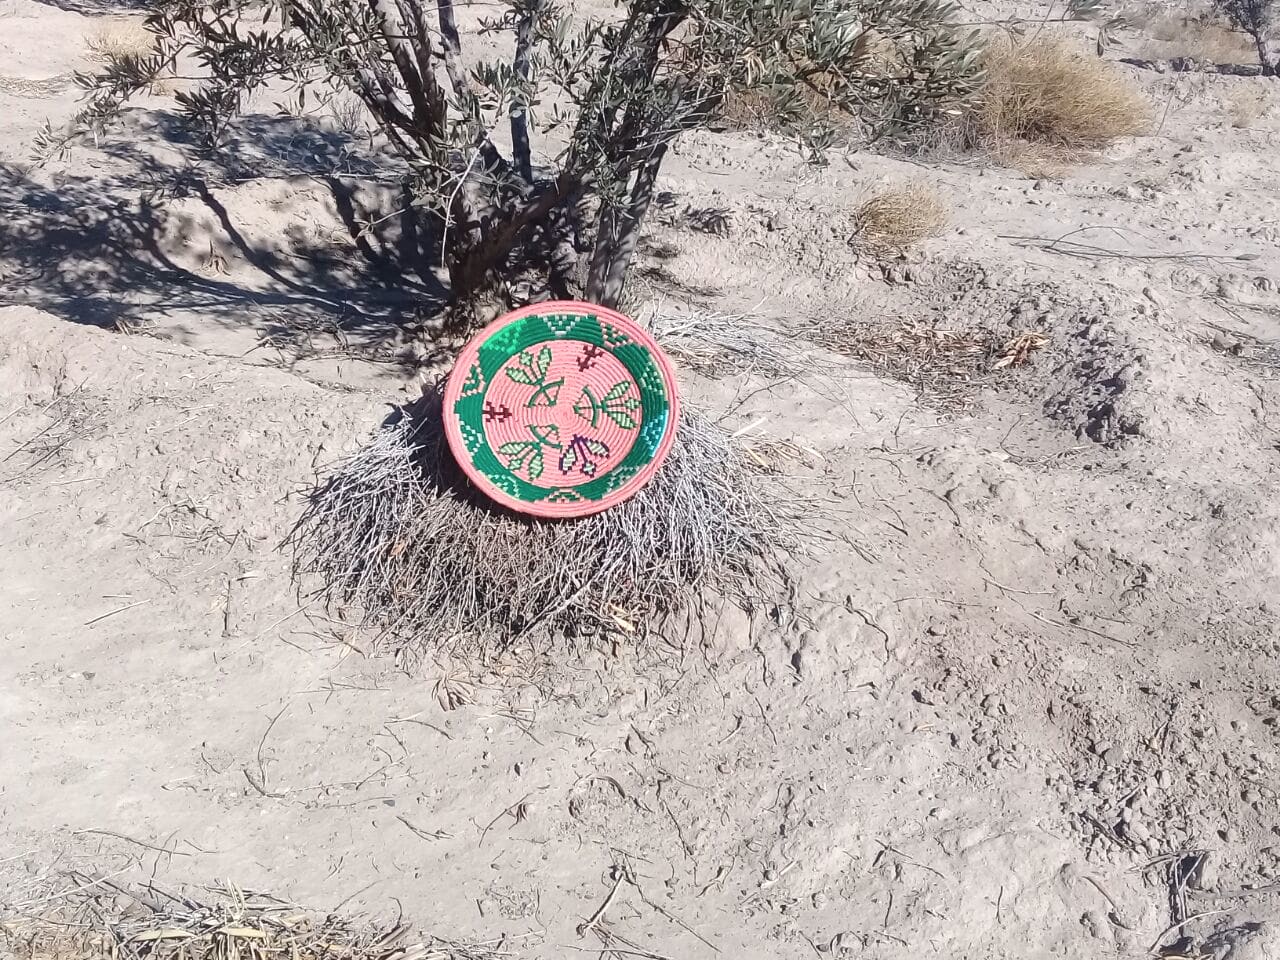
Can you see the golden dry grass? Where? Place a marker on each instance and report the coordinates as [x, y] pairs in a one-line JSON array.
[[900, 217], [1046, 92], [1246, 107], [119, 40]]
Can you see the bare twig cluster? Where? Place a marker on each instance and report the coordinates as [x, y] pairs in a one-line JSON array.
[[70, 416], [398, 535], [946, 366], [711, 342]]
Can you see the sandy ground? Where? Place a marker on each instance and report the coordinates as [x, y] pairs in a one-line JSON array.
[[1027, 707]]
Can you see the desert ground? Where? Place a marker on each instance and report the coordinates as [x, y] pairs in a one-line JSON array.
[[1023, 702]]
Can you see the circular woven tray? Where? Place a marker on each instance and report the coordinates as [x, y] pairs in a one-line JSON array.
[[562, 409]]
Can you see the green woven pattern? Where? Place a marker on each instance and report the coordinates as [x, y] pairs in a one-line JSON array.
[[528, 332]]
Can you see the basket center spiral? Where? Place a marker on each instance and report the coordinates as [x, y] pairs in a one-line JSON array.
[[562, 412]]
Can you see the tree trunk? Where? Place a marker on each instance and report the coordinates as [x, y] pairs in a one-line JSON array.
[[520, 148], [618, 234], [1264, 55], [487, 238]]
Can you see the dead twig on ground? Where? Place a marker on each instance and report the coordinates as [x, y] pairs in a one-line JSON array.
[[590, 923]]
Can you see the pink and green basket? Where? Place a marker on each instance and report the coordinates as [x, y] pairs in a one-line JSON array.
[[561, 409]]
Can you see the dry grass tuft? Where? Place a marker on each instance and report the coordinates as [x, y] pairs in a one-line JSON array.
[[120, 41], [899, 218], [97, 919], [399, 534], [755, 110], [1246, 107], [1046, 92]]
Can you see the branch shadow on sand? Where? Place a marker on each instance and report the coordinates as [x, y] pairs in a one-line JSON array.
[[125, 245], [99, 8]]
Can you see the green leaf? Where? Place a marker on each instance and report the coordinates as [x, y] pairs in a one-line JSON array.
[[544, 361], [624, 420], [617, 390], [520, 375], [597, 447], [568, 458], [513, 447], [535, 465]]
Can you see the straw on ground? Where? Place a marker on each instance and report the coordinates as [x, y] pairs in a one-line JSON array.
[[397, 537]]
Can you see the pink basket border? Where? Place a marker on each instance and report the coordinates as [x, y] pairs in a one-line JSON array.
[[453, 389]]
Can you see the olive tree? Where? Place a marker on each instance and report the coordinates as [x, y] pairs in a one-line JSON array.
[[1257, 18], [603, 96]]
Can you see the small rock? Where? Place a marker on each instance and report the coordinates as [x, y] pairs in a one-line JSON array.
[[1094, 925]]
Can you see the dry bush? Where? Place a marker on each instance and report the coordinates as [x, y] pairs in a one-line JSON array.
[[97, 919], [349, 115], [898, 218], [120, 40], [398, 533], [1246, 107], [1046, 92]]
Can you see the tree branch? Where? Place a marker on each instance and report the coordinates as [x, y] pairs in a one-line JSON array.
[[620, 233], [520, 148], [451, 43]]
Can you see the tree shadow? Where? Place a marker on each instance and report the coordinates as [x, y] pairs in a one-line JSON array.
[[98, 8], [125, 246]]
